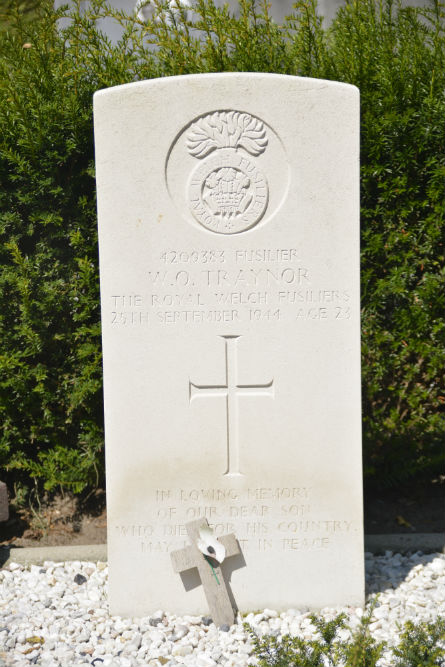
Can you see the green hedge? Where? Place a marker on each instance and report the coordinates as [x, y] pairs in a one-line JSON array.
[[50, 357], [337, 644]]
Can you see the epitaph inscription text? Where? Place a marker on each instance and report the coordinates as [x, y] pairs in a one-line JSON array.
[[283, 519]]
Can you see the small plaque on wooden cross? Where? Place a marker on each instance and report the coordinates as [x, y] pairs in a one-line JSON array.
[[212, 579]]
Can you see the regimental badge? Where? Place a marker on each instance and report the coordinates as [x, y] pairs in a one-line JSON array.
[[227, 191]]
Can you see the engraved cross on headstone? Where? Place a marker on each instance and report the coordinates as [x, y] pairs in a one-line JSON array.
[[231, 390], [215, 588]]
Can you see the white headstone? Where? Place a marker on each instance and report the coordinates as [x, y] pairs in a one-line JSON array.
[[229, 260]]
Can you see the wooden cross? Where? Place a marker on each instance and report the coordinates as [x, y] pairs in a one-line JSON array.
[[231, 391], [215, 588]]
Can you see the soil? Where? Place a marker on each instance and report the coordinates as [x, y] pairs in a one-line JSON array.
[[64, 520], [418, 507], [59, 521]]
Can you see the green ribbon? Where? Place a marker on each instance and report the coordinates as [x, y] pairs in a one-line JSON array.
[[213, 571]]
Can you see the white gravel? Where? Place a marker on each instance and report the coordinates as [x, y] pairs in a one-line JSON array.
[[57, 614]]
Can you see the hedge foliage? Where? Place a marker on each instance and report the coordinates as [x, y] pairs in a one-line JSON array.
[[50, 356], [338, 644]]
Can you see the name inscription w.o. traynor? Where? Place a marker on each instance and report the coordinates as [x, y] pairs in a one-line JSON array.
[[229, 246]]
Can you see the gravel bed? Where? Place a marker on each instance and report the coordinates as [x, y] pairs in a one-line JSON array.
[[56, 614]]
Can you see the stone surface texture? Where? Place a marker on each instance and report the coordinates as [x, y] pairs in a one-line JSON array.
[[229, 257]]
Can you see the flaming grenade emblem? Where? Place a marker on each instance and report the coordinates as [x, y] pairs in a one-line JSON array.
[[227, 191]]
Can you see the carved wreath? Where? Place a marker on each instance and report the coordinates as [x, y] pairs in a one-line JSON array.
[[226, 129]]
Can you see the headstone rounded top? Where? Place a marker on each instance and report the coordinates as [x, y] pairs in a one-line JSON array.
[[210, 79]]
